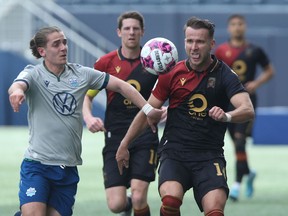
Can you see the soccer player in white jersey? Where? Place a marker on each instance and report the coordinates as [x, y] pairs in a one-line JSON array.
[[54, 91]]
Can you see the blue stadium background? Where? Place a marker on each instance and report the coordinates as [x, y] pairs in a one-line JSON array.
[[267, 27]]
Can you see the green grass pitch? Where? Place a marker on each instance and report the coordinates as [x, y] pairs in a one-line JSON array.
[[270, 162]]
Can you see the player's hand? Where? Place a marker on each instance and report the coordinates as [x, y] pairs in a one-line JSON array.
[[95, 124], [153, 118], [122, 158], [16, 99], [164, 114], [217, 114], [251, 86]]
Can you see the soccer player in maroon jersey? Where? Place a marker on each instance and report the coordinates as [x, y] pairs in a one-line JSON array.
[[125, 64], [191, 153], [243, 57]]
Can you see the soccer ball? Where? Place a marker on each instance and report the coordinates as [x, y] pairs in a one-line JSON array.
[[158, 56]]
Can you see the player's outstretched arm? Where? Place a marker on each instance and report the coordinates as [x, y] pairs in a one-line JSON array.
[[17, 95], [243, 111], [138, 125]]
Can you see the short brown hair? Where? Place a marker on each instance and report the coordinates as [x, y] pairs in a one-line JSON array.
[[131, 14], [238, 16], [197, 23]]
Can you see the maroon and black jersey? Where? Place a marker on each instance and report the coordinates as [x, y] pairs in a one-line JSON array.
[[243, 60], [120, 111], [189, 130]]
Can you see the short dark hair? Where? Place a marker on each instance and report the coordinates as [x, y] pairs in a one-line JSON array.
[[131, 14], [197, 23], [40, 39], [238, 16]]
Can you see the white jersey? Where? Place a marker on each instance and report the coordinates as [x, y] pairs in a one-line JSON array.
[[55, 111]]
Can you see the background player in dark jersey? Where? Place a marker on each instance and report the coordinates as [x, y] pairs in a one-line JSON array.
[[243, 57], [125, 64], [191, 152], [54, 90]]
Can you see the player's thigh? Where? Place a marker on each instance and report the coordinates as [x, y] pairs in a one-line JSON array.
[[173, 178], [52, 212], [111, 175], [34, 208], [143, 163], [215, 199], [64, 181], [209, 176], [33, 187]]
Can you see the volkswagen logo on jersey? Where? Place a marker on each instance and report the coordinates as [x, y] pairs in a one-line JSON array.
[[64, 103]]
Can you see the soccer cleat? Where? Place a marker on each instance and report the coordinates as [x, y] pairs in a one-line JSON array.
[[249, 184], [234, 193], [17, 213]]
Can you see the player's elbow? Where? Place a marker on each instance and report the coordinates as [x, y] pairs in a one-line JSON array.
[[250, 113]]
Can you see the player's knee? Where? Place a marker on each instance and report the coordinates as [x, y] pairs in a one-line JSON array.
[[240, 144], [139, 190], [139, 200], [170, 205], [116, 206]]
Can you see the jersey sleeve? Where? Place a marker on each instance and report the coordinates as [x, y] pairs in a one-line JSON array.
[[26, 76], [98, 65], [263, 58], [99, 80], [162, 87], [232, 83]]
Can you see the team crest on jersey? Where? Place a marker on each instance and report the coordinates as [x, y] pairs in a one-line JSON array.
[[182, 80], [211, 82], [73, 82], [118, 68], [31, 192]]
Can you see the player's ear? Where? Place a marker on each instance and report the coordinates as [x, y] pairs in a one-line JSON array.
[[143, 31], [41, 51], [185, 43], [212, 44], [118, 32]]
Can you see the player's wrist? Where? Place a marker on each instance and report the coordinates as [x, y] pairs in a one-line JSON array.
[[228, 117], [147, 108]]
